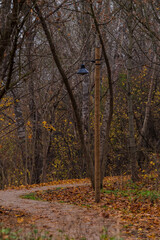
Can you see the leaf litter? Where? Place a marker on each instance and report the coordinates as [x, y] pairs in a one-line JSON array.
[[137, 207]]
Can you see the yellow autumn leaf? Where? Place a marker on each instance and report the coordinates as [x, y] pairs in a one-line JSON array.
[[30, 136], [52, 128], [44, 122], [20, 219], [152, 163], [29, 123]]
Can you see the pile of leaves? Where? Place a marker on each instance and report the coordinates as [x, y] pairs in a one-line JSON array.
[[136, 205], [55, 182]]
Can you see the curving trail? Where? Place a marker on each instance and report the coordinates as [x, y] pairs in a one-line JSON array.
[[60, 219]]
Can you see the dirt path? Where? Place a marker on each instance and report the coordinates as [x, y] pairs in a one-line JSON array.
[[59, 218]]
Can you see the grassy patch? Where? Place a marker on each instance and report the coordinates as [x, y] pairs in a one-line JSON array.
[[104, 236], [34, 234], [135, 194], [152, 195], [32, 196]]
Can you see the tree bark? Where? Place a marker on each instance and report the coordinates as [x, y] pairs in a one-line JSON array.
[[21, 132], [132, 143], [97, 124], [146, 118]]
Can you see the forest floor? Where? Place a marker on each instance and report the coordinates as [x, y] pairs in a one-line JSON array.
[[67, 210]]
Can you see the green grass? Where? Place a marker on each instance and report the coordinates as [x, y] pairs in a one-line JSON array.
[[60, 201], [152, 195], [86, 205], [104, 236], [32, 196], [34, 234], [135, 193]]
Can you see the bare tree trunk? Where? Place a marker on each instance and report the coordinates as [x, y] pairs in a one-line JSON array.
[[9, 15], [105, 137], [97, 124], [146, 118], [36, 158], [37, 161], [3, 174], [85, 27], [132, 143], [21, 132]]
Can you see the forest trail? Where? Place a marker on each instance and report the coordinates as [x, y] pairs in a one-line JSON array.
[[60, 219]]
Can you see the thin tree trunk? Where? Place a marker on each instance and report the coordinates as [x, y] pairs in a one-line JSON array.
[[8, 25], [21, 133], [146, 118], [132, 143], [85, 28], [97, 124], [36, 141]]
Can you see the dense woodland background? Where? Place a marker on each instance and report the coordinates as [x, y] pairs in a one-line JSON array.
[[47, 110]]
